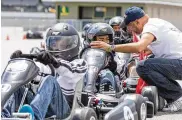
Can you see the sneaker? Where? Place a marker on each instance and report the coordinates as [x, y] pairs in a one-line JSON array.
[[174, 106], [27, 109], [106, 87]]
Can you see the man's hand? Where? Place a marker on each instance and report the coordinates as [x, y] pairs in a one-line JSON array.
[[147, 51], [137, 47], [100, 44]]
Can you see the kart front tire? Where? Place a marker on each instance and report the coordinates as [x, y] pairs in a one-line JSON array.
[[141, 106], [152, 94], [88, 114], [85, 113]]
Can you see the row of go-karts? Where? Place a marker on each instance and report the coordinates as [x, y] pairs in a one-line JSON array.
[[132, 100]]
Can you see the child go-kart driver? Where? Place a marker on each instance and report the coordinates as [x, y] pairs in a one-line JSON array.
[[121, 35], [104, 32], [163, 40], [55, 95]]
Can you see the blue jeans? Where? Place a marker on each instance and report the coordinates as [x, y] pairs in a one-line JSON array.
[[48, 101], [13, 102], [162, 73], [105, 76]]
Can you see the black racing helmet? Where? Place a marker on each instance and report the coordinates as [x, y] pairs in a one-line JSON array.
[[116, 21], [63, 41], [85, 29], [100, 29]]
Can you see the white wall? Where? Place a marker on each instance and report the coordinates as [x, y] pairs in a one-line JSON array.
[[172, 14]]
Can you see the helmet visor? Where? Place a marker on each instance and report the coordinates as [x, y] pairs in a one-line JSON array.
[[61, 43]]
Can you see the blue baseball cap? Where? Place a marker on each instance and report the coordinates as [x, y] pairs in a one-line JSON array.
[[132, 14]]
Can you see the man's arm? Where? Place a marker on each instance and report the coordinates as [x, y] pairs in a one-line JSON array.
[[147, 51], [137, 47]]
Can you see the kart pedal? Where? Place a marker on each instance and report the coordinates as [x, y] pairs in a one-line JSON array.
[[24, 116]]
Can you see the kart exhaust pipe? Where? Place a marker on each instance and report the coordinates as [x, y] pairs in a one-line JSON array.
[[105, 109]]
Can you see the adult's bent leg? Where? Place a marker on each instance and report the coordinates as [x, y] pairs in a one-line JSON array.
[[163, 74]]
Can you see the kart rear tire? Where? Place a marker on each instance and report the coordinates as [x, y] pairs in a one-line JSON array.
[[88, 114], [152, 94], [141, 106]]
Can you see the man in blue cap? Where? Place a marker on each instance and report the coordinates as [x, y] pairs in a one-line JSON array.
[[162, 39]]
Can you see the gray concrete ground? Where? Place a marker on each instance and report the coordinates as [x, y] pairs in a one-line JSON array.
[[167, 116]]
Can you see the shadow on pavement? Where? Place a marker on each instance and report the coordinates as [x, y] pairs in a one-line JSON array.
[[169, 113]]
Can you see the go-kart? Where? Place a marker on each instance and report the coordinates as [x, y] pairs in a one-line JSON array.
[[135, 84], [108, 104], [21, 71], [17, 73], [97, 60], [34, 34]]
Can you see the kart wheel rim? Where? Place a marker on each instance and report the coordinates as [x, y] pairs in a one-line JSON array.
[[92, 118], [157, 101], [143, 111]]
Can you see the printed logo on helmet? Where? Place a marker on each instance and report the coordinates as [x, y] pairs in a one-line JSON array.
[[55, 33], [104, 29], [65, 27], [90, 36]]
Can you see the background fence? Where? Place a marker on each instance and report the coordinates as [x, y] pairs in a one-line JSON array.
[[43, 24]]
